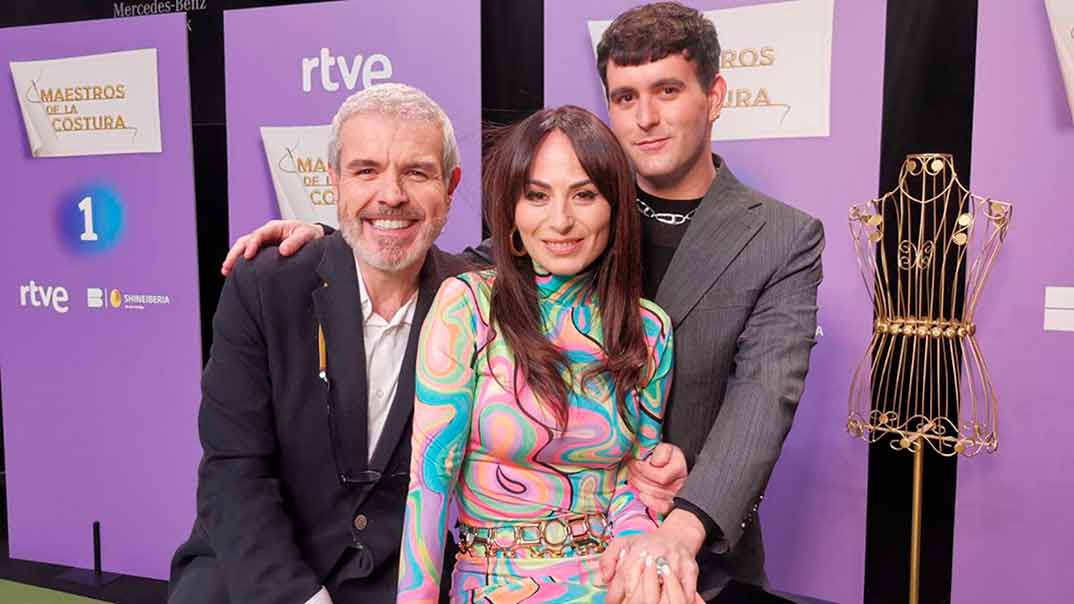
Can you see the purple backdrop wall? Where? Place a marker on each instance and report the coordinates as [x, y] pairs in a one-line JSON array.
[[92, 397], [434, 46], [1014, 515], [814, 514]]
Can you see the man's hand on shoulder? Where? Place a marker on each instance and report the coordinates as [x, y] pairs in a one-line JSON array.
[[292, 235]]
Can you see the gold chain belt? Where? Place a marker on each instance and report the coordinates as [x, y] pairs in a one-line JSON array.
[[569, 535]]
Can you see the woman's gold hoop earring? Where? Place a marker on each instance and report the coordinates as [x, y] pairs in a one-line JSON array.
[[514, 250]]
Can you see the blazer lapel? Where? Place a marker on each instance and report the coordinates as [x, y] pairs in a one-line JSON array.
[[403, 404], [338, 308], [721, 228]]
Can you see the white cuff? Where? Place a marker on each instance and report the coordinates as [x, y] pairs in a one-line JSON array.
[[320, 597]]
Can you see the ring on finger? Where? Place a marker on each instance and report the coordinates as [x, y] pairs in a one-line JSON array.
[[663, 567]]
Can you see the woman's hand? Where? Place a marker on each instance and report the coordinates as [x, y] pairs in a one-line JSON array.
[[629, 566]]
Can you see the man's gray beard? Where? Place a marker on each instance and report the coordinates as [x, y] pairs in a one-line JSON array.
[[389, 258]]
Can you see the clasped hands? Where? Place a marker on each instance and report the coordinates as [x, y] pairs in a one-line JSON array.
[[657, 567]]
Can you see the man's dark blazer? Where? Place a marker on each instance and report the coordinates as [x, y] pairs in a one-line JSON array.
[[274, 520], [741, 291]]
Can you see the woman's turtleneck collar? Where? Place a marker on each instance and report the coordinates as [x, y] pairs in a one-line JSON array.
[[564, 290]]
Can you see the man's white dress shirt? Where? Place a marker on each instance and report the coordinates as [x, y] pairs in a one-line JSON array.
[[385, 346]]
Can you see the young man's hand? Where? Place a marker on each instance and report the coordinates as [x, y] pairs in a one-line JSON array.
[[659, 477], [290, 234]]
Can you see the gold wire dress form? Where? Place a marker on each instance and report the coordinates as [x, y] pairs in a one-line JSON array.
[[925, 251]]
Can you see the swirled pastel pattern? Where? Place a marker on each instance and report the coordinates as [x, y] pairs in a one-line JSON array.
[[504, 460]]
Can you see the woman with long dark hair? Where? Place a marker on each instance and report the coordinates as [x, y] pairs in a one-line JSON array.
[[538, 379]]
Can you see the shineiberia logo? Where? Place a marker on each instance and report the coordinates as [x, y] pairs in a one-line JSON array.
[[95, 298]]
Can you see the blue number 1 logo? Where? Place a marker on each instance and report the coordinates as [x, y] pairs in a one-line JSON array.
[[91, 220], [86, 205]]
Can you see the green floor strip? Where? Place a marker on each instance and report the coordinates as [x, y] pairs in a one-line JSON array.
[[20, 593]]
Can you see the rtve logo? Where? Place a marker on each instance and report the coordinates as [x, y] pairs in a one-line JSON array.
[[44, 296], [376, 67]]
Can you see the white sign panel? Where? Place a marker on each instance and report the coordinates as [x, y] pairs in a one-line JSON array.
[[1061, 15], [1059, 309], [90, 105], [777, 60], [298, 159]]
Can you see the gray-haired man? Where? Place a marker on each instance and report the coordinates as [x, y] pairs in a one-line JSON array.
[[306, 399]]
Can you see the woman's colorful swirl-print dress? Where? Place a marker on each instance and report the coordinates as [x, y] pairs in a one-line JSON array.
[[504, 461]]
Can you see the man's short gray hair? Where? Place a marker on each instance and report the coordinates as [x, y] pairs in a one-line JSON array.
[[400, 101]]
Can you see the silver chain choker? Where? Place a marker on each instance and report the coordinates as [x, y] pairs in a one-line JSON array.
[[664, 217]]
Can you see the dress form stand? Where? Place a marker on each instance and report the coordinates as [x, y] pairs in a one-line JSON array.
[[925, 251]]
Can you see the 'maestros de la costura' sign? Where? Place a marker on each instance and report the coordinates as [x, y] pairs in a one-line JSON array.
[[298, 160], [1061, 16], [90, 105]]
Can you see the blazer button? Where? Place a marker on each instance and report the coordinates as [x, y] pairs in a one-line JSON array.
[[360, 522]]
